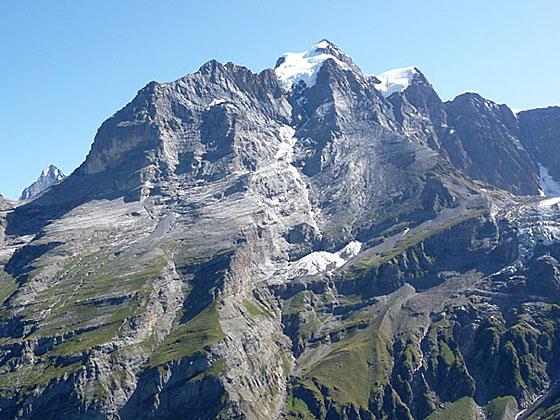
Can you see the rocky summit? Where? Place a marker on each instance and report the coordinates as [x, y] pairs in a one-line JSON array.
[[49, 176], [306, 242]]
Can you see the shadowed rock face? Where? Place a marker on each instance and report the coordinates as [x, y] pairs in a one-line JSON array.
[[234, 247], [540, 129], [490, 138], [486, 141]]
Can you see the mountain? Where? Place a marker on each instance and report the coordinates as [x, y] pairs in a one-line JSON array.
[[49, 176], [305, 242], [490, 144], [481, 138]]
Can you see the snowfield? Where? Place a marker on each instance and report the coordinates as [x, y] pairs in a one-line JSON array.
[[396, 80], [323, 261], [549, 187], [303, 67]]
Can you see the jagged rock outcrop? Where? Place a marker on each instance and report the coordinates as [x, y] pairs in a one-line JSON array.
[[49, 176], [481, 138], [490, 149], [305, 242], [540, 129]]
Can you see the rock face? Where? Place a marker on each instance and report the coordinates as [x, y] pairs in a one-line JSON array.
[[486, 141], [4, 203], [540, 132], [306, 242], [49, 176], [490, 144], [5, 207]]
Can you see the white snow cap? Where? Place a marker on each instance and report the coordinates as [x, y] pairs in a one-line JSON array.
[[396, 80], [52, 171], [296, 67]]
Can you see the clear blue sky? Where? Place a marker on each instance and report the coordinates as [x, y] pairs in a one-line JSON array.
[[68, 65]]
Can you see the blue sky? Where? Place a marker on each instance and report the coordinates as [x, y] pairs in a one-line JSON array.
[[68, 65]]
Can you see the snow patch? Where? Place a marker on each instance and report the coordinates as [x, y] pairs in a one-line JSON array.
[[322, 44], [550, 202], [549, 187], [304, 66], [396, 80], [279, 186], [216, 102], [285, 152], [322, 261]]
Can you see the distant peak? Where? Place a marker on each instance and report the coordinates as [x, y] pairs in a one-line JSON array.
[[476, 101], [474, 98], [210, 65], [470, 94], [328, 47], [324, 43], [52, 172], [397, 80], [49, 176], [293, 68]]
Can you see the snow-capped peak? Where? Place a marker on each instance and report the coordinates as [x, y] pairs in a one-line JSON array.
[[396, 80], [53, 173], [49, 176], [293, 68]]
